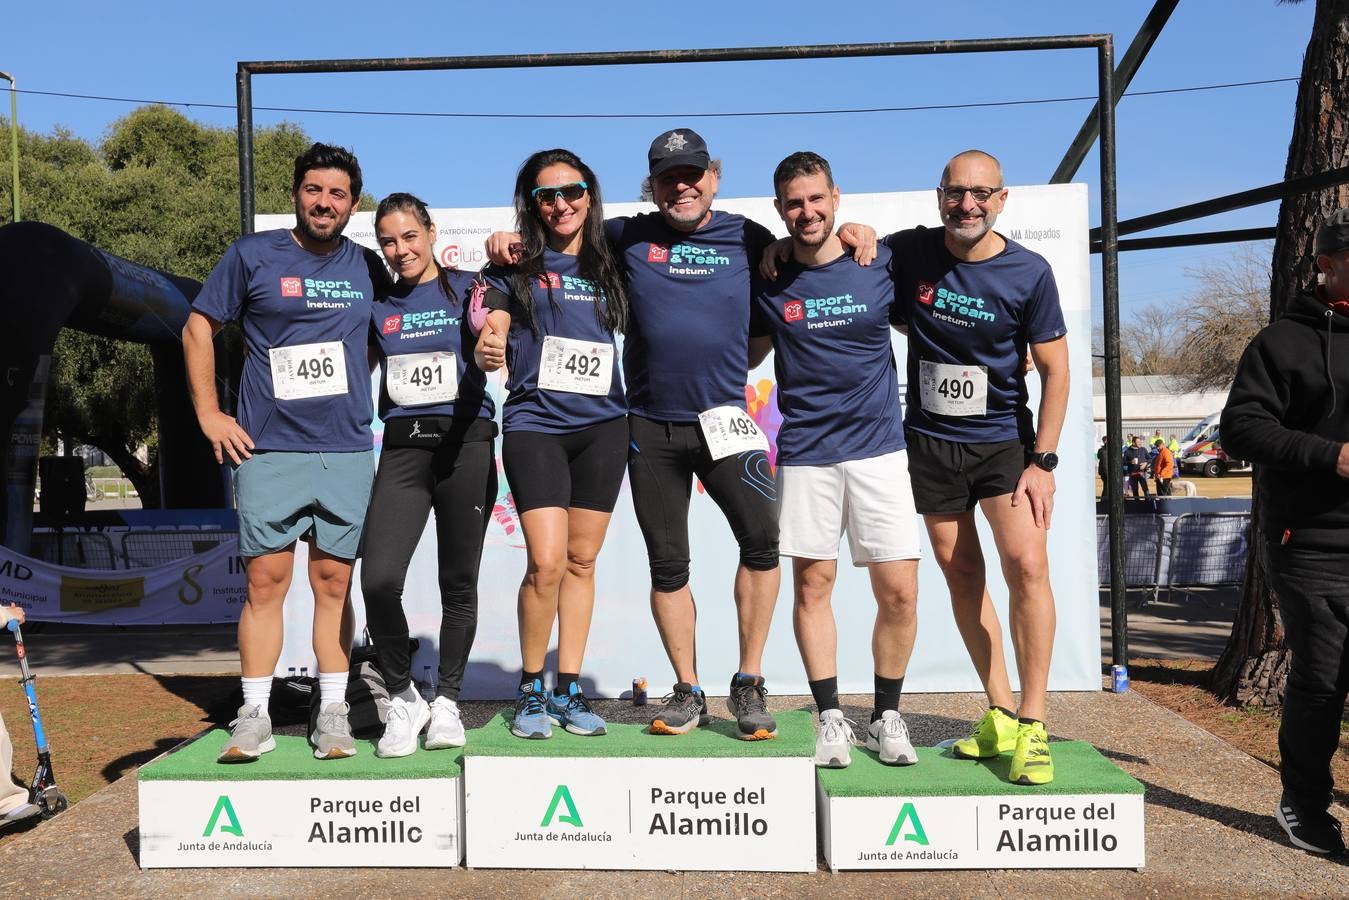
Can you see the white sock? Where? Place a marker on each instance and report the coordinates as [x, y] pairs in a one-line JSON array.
[[257, 692], [332, 687]]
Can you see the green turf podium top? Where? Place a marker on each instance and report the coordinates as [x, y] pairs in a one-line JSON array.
[[1078, 769], [796, 738], [293, 760]]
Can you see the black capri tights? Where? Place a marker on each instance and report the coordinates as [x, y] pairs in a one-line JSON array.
[[458, 481], [663, 458]]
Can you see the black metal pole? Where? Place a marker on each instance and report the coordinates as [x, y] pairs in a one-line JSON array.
[[1193, 239], [244, 93], [1114, 426], [1147, 35]]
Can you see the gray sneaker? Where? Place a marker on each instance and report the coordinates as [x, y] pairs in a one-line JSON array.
[[748, 703], [332, 733], [250, 738], [20, 813]]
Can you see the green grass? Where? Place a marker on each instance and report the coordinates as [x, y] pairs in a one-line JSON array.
[[293, 759], [796, 737], [1078, 769]]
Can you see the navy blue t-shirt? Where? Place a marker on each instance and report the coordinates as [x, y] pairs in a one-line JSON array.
[[421, 319], [284, 297], [979, 315], [564, 306], [838, 387], [686, 348]]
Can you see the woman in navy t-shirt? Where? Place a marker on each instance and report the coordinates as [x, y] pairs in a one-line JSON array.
[[552, 325], [438, 431]]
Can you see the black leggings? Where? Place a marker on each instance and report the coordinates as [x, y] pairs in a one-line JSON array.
[[663, 457], [460, 482]]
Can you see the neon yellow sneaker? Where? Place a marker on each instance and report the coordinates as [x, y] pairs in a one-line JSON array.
[[995, 733], [1031, 763]]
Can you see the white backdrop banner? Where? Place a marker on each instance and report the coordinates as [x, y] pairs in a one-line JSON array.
[[199, 589], [1049, 219]]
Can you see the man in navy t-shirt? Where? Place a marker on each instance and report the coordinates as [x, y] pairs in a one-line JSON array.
[[302, 442], [842, 466], [973, 303]]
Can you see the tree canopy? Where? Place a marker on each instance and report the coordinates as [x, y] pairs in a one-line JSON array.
[[162, 191]]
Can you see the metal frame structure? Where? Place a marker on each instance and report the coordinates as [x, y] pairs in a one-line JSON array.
[[1103, 125]]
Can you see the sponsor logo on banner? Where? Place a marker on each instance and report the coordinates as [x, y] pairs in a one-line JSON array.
[[94, 595], [189, 593], [458, 256], [926, 291], [15, 570], [292, 287], [793, 310], [449, 257], [392, 324]]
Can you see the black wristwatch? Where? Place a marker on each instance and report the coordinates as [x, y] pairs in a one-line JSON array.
[[1049, 460]]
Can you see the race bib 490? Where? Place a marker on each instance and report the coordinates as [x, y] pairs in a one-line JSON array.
[[952, 390]]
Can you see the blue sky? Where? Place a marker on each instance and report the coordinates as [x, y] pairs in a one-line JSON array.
[[1173, 148]]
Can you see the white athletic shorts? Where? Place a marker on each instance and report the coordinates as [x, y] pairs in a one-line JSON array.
[[870, 499]]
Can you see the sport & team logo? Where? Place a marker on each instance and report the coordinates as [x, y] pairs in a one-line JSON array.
[[550, 280], [392, 324], [793, 310], [291, 287], [926, 290], [657, 253]]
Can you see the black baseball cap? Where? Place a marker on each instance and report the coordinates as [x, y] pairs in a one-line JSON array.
[[680, 147], [1333, 235]]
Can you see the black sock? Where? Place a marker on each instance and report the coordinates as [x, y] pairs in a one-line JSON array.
[[528, 678], [564, 683], [1025, 721], [825, 692], [1005, 711], [887, 695]]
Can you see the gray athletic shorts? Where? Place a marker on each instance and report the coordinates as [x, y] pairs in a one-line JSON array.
[[283, 496]]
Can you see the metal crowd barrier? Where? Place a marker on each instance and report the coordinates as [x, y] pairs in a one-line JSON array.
[[139, 549], [1189, 550]]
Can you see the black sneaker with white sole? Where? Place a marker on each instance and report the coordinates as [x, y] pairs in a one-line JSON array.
[[1312, 828]]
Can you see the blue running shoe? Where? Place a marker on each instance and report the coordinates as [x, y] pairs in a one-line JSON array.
[[572, 711], [531, 713]]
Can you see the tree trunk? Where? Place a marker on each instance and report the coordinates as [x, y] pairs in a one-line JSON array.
[[144, 478], [1254, 665]]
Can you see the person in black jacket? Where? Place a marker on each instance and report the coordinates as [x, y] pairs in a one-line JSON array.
[[1137, 464], [1288, 412]]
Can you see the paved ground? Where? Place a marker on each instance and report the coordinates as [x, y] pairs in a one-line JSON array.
[[1209, 833], [1209, 829]]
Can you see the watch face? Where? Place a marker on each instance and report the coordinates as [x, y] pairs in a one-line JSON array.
[[1048, 461]]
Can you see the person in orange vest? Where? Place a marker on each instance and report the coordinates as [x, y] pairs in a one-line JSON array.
[[1163, 468]]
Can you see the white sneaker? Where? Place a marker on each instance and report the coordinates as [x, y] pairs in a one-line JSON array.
[[833, 743], [447, 730], [889, 737], [404, 722]]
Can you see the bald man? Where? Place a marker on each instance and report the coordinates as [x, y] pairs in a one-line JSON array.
[[973, 303]]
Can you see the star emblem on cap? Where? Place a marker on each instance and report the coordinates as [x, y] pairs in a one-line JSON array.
[[676, 142]]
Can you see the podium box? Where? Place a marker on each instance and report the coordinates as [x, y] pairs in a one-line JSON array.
[[289, 809], [949, 813], [632, 800]]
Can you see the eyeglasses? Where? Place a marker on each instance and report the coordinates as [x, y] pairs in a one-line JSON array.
[[956, 193], [547, 196]]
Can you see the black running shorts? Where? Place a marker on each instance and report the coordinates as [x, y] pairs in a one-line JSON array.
[[950, 477]]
